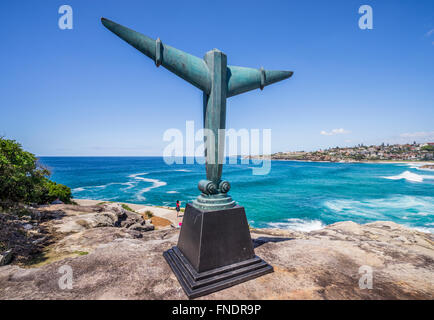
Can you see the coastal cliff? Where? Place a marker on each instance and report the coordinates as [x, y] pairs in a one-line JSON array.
[[111, 260]]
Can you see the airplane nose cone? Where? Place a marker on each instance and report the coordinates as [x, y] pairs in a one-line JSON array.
[[107, 23], [272, 76]]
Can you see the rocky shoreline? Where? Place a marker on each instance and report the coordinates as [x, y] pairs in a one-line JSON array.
[[115, 253], [428, 166]]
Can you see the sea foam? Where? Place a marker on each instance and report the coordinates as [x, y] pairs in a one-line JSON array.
[[402, 207], [410, 176], [155, 184], [419, 165], [298, 225], [135, 175]]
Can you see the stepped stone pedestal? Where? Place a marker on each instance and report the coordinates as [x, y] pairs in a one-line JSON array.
[[214, 251]]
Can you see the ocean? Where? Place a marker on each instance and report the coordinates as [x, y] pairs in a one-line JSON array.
[[295, 195]]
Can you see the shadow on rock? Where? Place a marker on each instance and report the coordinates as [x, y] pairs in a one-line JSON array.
[[262, 240], [25, 236]]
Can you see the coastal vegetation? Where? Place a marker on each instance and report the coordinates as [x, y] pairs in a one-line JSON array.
[[23, 180], [126, 207], [429, 148], [149, 214]]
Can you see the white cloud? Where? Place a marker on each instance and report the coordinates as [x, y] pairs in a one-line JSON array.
[[430, 32], [419, 135], [334, 131]]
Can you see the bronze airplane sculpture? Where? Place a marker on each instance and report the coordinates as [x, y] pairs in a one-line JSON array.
[[214, 249]]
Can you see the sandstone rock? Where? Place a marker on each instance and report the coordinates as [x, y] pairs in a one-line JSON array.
[[115, 207], [111, 215], [86, 221], [6, 257], [128, 219], [428, 166], [142, 227], [135, 234], [14, 236], [40, 240], [322, 264]]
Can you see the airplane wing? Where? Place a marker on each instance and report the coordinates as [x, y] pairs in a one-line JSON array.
[[193, 69], [188, 67], [241, 79]]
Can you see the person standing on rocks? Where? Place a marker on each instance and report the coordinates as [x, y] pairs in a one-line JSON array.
[[177, 208]]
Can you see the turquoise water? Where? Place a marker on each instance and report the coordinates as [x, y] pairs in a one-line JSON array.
[[295, 195]]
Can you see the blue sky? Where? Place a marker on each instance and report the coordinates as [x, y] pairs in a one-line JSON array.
[[86, 92]]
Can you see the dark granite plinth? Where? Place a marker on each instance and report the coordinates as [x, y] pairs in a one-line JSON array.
[[214, 251]]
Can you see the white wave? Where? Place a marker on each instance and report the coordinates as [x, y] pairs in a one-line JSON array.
[[140, 197], [418, 165], [78, 189], [182, 170], [298, 225], [410, 176], [412, 164], [130, 185], [135, 175], [111, 184], [403, 207], [424, 169], [141, 178], [172, 192], [422, 229], [155, 184]]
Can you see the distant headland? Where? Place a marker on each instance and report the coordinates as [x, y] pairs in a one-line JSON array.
[[362, 153]]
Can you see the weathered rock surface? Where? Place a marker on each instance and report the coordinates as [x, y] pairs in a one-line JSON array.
[[44, 234], [428, 166], [107, 215], [322, 264], [141, 227], [5, 257]]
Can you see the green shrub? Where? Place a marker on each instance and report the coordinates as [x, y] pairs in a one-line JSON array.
[[24, 180], [58, 191], [428, 148], [149, 214], [81, 253], [126, 207]]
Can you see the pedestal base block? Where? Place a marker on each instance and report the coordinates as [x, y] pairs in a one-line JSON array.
[[214, 251], [197, 284]]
